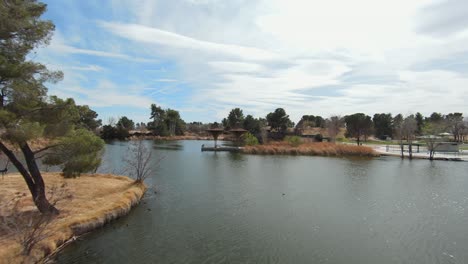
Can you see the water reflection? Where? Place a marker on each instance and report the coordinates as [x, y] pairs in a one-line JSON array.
[[232, 208], [167, 145]]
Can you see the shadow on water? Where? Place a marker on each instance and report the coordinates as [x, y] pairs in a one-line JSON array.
[[168, 147]]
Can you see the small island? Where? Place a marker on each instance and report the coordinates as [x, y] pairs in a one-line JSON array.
[[85, 203]]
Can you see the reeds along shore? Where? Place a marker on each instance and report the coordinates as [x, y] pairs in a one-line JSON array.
[[95, 200], [310, 149]]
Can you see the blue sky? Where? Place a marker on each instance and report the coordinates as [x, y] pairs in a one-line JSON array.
[[205, 57]]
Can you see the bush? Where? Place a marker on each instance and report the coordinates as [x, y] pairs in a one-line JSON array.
[[250, 140], [294, 141]]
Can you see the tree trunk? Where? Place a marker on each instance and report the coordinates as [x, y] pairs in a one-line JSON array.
[[33, 177], [410, 150], [402, 150], [39, 197]]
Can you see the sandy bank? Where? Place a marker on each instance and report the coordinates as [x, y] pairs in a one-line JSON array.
[[94, 201], [310, 149]]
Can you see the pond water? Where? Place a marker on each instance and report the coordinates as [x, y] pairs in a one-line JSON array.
[[233, 208]]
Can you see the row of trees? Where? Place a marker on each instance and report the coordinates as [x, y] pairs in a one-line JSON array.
[[359, 125], [164, 122], [384, 125], [276, 122]]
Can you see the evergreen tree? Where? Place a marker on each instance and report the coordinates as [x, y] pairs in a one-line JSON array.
[[27, 113]]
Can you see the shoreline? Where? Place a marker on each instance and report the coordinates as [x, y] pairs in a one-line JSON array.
[[381, 149], [97, 200], [398, 155]]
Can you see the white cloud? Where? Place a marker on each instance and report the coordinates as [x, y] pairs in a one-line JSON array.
[[166, 80], [307, 56], [94, 68], [151, 35]]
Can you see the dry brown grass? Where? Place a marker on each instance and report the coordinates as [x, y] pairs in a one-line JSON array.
[[310, 149], [96, 200]]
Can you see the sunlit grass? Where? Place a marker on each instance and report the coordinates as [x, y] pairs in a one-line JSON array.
[[310, 149], [96, 200]]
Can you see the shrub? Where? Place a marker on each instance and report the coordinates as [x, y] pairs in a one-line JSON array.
[[294, 141], [250, 140]]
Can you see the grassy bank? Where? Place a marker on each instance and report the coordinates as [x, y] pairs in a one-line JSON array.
[[92, 201], [310, 149]]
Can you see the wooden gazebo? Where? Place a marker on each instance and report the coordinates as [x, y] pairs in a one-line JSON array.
[[215, 132]]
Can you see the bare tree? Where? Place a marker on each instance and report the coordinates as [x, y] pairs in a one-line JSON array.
[[409, 128], [432, 143], [111, 121], [432, 140], [334, 124], [464, 132], [138, 162], [455, 125]]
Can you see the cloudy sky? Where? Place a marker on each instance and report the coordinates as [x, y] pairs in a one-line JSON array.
[[205, 57]]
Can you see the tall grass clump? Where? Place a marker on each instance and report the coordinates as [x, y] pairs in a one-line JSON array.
[[310, 149]]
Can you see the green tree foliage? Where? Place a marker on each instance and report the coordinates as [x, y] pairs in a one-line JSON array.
[[253, 125], [174, 123], [126, 123], [77, 153], [435, 117], [108, 132], [26, 112], [278, 120], [215, 125], [157, 114], [419, 122], [383, 125], [87, 118], [120, 131], [358, 126], [250, 140], [310, 121], [235, 119], [166, 122], [397, 120]]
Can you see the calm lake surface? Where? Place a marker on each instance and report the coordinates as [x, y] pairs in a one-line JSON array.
[[233, 208]]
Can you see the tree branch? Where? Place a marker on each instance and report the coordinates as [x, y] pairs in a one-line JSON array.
[[46, 148], [19, 166]]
